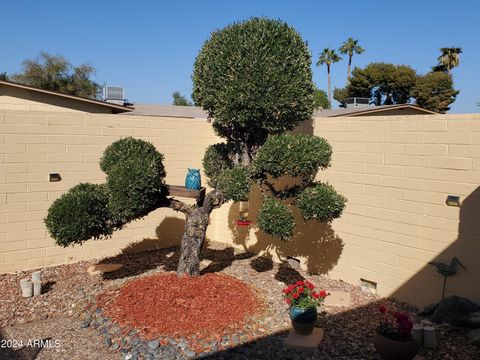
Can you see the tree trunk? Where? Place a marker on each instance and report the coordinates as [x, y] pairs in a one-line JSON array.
[[329, 87], [196, 223], [192, 242], [348, 68]]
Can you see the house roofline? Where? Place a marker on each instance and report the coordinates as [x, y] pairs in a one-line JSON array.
[[73, 97]]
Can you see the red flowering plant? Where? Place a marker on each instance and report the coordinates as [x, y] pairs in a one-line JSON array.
[[395, 325], [302, 294]]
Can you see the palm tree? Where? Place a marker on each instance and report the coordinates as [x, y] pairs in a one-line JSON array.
[[349, 48], [328, 57], [450, 58]]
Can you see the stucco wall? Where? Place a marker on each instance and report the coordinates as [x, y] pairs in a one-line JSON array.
[[12, 98], [395, 171]]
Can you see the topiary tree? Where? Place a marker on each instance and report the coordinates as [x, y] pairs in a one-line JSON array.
[[254, 79]]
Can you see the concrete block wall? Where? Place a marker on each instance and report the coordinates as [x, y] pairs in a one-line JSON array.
[[33, 145], [395, 171]]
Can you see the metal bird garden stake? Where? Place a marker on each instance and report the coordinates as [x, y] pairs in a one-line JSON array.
[[447, 270]]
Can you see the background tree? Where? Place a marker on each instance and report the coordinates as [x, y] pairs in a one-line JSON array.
[[434, 91], [382, 83], [254, 80], [320, 99], [449, 58], [3, 76], [180, 100], [341, 95], [328, 57], [350, 47], [55, 73]]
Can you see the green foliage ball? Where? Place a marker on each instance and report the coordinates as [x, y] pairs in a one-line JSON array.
[[276, 219], [295, 155], [217, 159], [135, 178], [131, 149], [79, 215], [320, 202], [254, 78], [234, 183]]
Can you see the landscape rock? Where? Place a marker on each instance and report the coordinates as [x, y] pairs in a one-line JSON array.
[[458, 311], [100, 269]]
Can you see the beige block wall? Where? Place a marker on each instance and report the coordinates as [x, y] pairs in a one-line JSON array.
[[32, 145], [395, 171]]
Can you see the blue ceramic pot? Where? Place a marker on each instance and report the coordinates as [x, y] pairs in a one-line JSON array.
[[303, 319], [193, 180]]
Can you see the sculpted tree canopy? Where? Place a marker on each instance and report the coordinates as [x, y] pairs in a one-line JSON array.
[[254, 80], [55, 73]]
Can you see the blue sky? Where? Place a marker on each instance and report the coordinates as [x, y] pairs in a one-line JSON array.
[[149, 46]]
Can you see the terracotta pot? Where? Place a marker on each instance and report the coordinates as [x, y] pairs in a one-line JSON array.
[[303, 319], [389, 349]]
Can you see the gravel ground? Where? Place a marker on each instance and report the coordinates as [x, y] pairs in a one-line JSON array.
[[348, 331]]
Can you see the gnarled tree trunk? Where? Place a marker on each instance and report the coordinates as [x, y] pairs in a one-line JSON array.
[[196, 223]]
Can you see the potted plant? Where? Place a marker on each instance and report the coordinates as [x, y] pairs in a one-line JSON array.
[[393, 338], [303, 301]]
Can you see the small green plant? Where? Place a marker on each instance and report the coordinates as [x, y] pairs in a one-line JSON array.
[[302, 294]]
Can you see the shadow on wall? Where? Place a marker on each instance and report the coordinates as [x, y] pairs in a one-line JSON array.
[[315, 244], [425, 285]]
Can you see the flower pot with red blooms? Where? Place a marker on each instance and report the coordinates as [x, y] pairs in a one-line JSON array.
[[303, 301], [393, 339]]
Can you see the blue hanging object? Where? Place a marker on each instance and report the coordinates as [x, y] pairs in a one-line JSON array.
[[193, 180]]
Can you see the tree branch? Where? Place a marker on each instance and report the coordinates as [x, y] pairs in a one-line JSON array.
[[213, 200], [176, 205]]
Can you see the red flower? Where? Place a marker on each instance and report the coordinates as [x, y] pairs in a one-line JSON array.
[[300, 283], [296, 295], [309, 285], [300, 289], [323, 293], [315, 295], [288, 301], [382, 309]]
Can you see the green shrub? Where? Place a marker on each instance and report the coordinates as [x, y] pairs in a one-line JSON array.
[[135, 188], [135, 178], [320, 202], [295, 155], [217, 158], [79, 215], [254, 78], [276, 219], [234, 183], [129, 149]]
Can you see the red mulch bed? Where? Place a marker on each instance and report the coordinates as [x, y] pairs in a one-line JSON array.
[[167, 305]]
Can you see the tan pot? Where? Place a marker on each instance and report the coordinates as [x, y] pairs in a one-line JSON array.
[[389, 349]]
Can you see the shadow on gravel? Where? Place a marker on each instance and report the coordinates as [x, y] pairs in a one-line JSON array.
[[149, 254], [10, 349], [348, 335]]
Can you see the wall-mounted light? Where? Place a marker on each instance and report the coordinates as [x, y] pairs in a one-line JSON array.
[[54, 177], [453, 200]]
